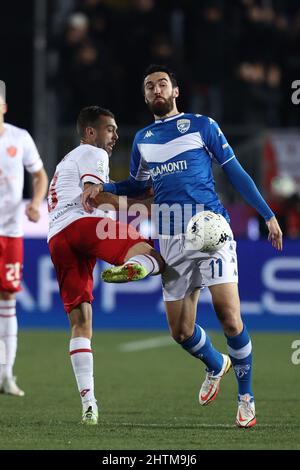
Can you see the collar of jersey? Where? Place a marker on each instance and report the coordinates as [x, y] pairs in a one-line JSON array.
[[168, 119]]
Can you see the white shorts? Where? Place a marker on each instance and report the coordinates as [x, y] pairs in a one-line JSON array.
[[188, 270]]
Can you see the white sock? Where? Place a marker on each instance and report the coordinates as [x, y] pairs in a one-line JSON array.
[[82, 362], [149, 263], [8, 334]]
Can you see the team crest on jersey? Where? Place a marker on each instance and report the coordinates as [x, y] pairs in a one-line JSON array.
[[183, 125], [12, 151]]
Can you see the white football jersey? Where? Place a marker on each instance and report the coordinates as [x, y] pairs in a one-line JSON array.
[[84, 164], [17, 150]]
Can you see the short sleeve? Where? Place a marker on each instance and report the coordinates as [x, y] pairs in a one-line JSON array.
[[215, 142], [31, 157], [138, 167], [93, 166]]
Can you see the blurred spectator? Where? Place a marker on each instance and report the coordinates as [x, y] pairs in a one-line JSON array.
[[101, 18], [77, 29], [162, 51], [74, 35], [206, 53], [274, 96], [85, 80], [135, 30], [89, 78], [258, 29], [256, 95]]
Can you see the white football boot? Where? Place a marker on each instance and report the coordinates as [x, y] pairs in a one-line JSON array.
[[211, 384], [90, 414], [245, 417], [9, 387]]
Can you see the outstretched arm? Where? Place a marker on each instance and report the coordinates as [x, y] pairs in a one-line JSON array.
[[218, 147], [129, 187], [245, 185], [93, 196]]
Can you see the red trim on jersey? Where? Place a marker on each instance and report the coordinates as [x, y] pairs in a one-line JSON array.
[[7, 308], [7, 316], [75, 351], [89, 174]]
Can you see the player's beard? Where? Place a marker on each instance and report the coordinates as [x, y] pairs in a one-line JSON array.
[[162, 107]]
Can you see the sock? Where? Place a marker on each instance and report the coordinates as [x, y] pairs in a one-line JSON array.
[[199, 345], [8, 334], [149, 263], [240, 352], [82, 362]]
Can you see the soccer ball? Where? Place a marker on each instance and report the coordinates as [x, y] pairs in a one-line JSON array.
[[207, 232]]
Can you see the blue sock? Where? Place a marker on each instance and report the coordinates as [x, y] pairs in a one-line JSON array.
[[240, 352], [199, 345]]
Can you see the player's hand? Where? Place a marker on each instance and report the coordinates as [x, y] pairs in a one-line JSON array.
[[88, 197], [32, 211], [275, 233]]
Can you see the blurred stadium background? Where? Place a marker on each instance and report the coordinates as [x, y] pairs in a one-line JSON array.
[[236, 61]]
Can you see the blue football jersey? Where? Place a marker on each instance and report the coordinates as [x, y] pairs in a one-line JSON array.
[[177, 154]]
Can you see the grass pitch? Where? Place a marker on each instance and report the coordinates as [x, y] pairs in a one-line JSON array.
[[148, 398]]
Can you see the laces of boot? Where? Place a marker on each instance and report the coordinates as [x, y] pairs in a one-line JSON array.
[[210, 376], [247, 407]]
